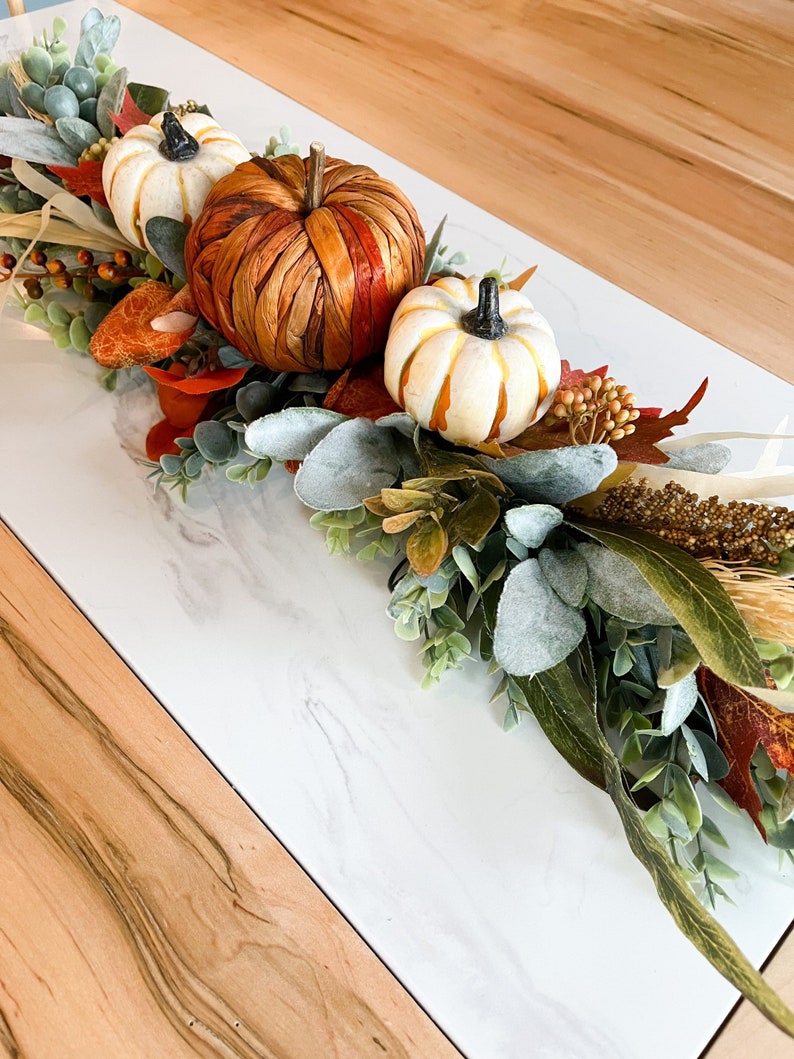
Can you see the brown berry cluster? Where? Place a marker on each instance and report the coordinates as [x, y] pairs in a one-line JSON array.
[[97, 151], [736, 532], [191, 107], [597, 411], [116, 271]]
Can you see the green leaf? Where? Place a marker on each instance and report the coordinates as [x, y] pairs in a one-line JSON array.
[[215, 441], [149, 98], [691, 918], [555, 476], [712, 832], [167, 239], [679, 701], [566, 572], [100, 38], [426, 547], [292, 433], [76, 133], [432, 249], [109, 101], [472, 521], [534, 629], [616, 586], [352, 462], [699, 602], [680, 657], [34, 142], [557, 704], [532, 523]]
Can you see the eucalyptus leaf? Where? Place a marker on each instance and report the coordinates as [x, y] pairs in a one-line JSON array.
[[534, 629], [532, 523], [616, 585], [786, 808], [110, 101], [695, 751], [681, 660], [99, 38], [34, 142], [354, 461], [90, 18], [255, 399], [700, 604], [215, 441], [708, 458], [166, 237], [292, 433], [77, 133], [566, 572], [400, 421], [555, 476]]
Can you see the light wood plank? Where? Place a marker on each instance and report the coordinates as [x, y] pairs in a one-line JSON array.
[[145, 910], [649, 141]]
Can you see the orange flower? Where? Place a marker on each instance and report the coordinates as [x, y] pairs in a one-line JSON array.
[[183, 401], [126, 335]]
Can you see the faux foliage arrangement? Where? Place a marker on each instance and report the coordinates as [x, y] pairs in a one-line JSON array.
[[621, 588]]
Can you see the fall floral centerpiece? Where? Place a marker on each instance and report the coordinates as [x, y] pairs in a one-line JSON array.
[[621, 587]]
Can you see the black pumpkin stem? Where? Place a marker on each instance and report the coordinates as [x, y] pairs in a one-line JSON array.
[[314, 183], [485, 321], [177, 145]]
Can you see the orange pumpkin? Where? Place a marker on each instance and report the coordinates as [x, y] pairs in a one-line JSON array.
[[300, 263]]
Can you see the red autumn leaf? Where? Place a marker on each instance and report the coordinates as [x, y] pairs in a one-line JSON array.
[[743, 721], [575, 376], [651, 428], [161, 439], [361, 391], [129, 116], [203, 382], [126, 337], [82, 179]]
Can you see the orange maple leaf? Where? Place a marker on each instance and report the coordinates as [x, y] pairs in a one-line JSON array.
[[743, 721]]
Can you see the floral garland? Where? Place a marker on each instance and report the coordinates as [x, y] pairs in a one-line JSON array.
[[537, 517]]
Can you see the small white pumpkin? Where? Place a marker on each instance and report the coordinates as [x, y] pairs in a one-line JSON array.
[[166, 169], [476, 364]]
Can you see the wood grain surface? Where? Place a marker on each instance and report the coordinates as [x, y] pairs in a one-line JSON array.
[[650, 141], [145, 911]]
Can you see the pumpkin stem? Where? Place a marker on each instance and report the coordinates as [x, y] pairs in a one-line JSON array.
[[314, 184], [485, 321], [177, 145]]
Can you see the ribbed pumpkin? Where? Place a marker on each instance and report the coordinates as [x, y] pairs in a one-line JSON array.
[[166, 169], [301, 263], [471, 362]]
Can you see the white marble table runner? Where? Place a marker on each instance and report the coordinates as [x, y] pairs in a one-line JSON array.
[[492, 880]]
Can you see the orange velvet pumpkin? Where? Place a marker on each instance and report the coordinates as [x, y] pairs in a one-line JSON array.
[[300, 263]]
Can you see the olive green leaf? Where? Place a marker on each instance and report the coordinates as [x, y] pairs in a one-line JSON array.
[[700, 604], [559, 709], [690, 916], [426, 547]]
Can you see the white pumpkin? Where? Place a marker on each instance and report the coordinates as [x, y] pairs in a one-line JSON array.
[[472, 362], [166, 169]]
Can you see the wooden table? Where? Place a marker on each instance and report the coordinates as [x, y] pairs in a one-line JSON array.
[[649, 142]]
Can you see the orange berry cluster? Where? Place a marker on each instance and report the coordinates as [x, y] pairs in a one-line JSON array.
[[597, 411]]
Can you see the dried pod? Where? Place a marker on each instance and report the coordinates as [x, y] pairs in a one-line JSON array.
[[301, 263]]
